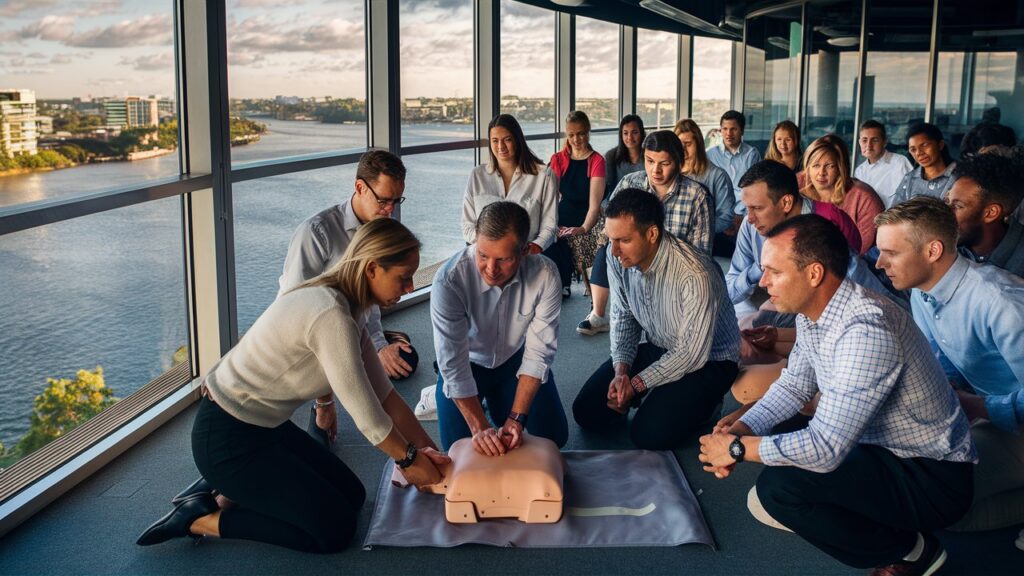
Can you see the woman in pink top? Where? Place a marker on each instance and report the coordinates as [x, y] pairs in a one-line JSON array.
[[826, 178]]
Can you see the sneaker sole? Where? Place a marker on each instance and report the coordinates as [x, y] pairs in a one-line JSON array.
[[590, 331], [936, 564]]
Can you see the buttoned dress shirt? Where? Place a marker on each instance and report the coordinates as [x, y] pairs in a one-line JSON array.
[[689, 209], [735, 165], [914, 184], [487, 325], [316, 246], [885, 175], [973, 319], [1009, 254], [720, 187], [537, 193], [680, 302], [880, 384]]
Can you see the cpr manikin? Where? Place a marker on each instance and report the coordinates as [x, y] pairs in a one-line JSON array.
[[525, 483]]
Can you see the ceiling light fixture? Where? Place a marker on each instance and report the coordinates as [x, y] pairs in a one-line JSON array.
[[673, 13]]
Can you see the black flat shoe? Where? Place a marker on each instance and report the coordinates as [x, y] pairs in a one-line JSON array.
[[200, 486], [178, 521]]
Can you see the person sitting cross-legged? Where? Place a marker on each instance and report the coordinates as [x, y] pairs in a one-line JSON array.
[[675, 293], [887, 457], [972, 316], [494, 310]]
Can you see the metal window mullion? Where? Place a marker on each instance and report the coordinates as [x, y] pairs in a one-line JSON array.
[[565, 67], [684, 76], [383, 76], [627, 70], [933, 64], [486, 68], [862, 59]]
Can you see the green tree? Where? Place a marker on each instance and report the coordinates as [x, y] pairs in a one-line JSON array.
[[63, 405]]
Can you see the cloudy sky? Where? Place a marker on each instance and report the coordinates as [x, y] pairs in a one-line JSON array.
[[316, 48]]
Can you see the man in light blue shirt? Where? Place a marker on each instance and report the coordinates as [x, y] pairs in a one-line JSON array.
[[734, 156], [972, 316], [495, 310], [887, 458]]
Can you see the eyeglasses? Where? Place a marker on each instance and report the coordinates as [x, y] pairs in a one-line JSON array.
[[383, 202]]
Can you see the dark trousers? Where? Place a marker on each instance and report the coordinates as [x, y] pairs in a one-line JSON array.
[[560, 253], [497, 386], [288, 489], [669, 413], [599, 270], [723, 245], [868, 511]]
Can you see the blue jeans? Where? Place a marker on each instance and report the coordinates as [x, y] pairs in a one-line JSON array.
[[498, 387]]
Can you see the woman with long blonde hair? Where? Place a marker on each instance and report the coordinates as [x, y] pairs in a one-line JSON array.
[[696, 166], [826, 178], [284, 487], [784, 147]]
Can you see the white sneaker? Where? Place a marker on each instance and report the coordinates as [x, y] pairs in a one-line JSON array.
[[593, 324], [426, 408], [759, 513]]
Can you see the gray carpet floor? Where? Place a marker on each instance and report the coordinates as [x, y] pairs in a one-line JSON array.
[[92, 529]]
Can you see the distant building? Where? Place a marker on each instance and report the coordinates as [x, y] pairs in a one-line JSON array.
[[137, 112], [18, 134], [116, 112], [44, 124]]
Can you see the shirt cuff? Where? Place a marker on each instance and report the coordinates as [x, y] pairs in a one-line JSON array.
[[535, 369], [459, 389], [379, 341], [760, 424], [1002, 412], [622, 358], [751, 279]]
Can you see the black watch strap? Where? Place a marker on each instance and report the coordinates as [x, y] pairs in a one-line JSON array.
[[410, 456], [737, 450], [518, 417]]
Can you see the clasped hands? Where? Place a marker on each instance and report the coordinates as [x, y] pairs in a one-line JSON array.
[[564, 231], [620, 392], [714, 447], [492, 441]]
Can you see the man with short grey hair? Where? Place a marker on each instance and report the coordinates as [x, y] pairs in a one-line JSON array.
[[495, 308]]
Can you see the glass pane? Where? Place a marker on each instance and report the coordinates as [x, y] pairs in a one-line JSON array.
[[435, 186], [896, 74], [102, 293], [528, 66], [267, 212], [597, 71], [656, 74], [772, 85], [833, 46], [712, 81], [604, 141], [978, 59], [296, 78], [89, 94], [436, 40]]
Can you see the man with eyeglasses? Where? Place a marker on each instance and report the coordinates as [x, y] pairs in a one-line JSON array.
[[320, 242]]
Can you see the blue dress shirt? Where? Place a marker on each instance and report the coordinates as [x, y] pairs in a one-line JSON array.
[[735, 165], [973, 319], [487, 325]]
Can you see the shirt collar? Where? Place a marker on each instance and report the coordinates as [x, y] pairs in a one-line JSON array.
[[946, 287], [661, 257], [491, 169], [742, 148], [348, 216], [807, 205]]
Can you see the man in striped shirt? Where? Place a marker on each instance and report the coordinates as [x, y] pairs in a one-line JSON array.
[[672, 292]]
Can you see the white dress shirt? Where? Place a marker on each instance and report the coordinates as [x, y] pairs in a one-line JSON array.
[[537, 193], [884, 175], [487, 325]]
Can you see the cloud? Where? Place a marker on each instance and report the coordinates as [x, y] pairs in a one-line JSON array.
[[12, 8], [244, 58], [260, 35], [266, 3], [51, 27], [152, 29], [163, 61], [99, 8]]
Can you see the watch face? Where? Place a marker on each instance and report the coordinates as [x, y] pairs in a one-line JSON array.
[[736, 450]]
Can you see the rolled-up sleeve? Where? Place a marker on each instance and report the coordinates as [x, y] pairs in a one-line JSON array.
[[449, 316], [1006, 411], [542, 332]]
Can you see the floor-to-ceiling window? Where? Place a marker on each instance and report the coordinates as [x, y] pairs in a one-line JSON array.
[[712, 82], [772, 77], [597, 75], [657, 75], [833, 63], [528, 67], [94, 307]]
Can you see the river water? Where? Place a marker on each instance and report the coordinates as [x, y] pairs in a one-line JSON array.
[[107, 289]]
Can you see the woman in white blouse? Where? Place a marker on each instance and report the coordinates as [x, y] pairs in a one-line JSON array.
[[275, 483], [515, 174]]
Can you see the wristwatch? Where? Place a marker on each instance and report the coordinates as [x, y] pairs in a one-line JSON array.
[[521, 418], [737, 450], [410, 456]]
